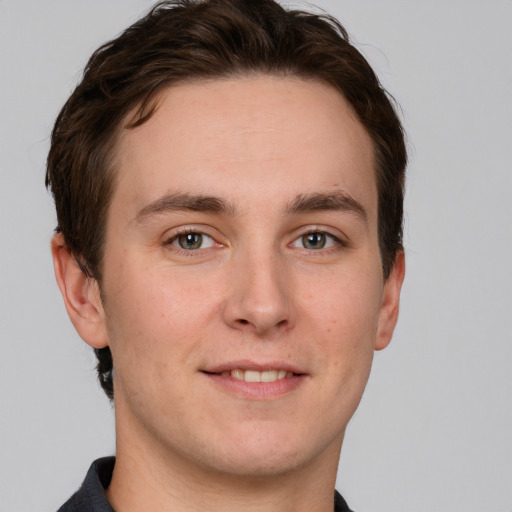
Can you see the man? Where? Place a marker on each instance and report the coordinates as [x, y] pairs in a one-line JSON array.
[[228, 178]]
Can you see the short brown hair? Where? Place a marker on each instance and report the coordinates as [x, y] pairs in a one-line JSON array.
[[183, 40]]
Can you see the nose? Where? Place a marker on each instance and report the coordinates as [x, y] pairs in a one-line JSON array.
[[260, 295]]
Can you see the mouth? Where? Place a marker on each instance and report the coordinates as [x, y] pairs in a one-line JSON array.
[[255, 375], [256, 381]]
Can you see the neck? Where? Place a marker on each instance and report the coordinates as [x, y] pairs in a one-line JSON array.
[[149, 476]]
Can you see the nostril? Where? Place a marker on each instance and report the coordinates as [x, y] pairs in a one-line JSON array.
[[244, 322]]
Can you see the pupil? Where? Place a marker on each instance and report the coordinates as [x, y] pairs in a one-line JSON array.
[[314, 240], [190, 241]]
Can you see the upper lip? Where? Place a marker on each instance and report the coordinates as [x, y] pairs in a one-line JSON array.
[[246, 364]]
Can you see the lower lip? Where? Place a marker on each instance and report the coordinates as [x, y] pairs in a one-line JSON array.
[[257, 390]]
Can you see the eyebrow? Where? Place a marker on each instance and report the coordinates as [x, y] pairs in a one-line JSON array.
[[322, 202], [303, 203], [178, 201]]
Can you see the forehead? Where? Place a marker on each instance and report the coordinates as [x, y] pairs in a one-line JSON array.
[[247, 138]]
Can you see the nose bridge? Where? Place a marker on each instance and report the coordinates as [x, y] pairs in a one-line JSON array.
[[260, 291]]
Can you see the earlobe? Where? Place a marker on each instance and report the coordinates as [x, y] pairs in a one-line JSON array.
[[388, 315], [81, 295]]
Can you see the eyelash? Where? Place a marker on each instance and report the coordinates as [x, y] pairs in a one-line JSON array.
[[336, 242], [183, 232]]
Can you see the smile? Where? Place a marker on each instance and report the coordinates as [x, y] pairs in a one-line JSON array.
[[256, 380], [256, 376]]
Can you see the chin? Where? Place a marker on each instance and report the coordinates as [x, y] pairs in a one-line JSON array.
[[260, 465], [269, 456]]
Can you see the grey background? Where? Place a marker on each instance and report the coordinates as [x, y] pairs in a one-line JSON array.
[[434, 431]]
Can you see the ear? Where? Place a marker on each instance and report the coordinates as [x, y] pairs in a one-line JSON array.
[[388, 315], [81, 295]]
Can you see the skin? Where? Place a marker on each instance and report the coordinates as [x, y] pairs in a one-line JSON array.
[[252, 292]]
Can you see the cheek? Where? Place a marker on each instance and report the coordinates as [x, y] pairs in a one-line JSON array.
[[346, 303], [154, 297], [349, 338], [348, 353], [346, 317], [152, 322]]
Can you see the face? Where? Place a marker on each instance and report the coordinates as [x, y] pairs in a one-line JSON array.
[[243, 289]]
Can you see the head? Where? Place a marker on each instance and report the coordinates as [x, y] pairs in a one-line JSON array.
[[185, 42]]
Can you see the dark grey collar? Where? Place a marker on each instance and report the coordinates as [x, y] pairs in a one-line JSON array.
[[91, 496]]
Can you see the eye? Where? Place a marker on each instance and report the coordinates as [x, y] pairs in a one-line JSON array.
[[192, 241], [315, 241]]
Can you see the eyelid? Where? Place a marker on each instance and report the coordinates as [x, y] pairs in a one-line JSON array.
[[187, 229], [172, 235], [339, 239], [204, 238]]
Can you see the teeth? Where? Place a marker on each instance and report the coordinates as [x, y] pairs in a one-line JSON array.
[[269, 376], [252, 376], [255, 376], [238, 374]]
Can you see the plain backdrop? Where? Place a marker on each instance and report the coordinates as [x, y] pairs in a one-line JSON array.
[[434, 430]]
